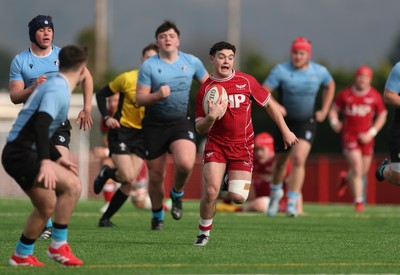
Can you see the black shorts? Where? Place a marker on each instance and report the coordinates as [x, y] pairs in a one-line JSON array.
[[394, 140], [158, 136], [21, 163], [302, 129], [63, 135], [124, 140]]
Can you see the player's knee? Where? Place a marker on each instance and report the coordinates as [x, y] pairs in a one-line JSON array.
[[395, 178], [261, 204], [185, 167], [156, 178], [279, 165], [211, 193], [74, 187], [298, 160], [126, 188], [239, 190], [46, 206]]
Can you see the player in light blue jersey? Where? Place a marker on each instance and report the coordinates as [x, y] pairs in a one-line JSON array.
[[163, 87], [47, 177], [33, 67], [390, 170], [297, 83]]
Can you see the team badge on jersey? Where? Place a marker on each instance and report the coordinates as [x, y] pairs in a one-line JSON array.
[[209, 154], [308, 135], [122, 146], [241, 87]]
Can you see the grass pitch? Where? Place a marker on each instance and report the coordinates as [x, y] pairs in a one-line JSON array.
[[328, 239]]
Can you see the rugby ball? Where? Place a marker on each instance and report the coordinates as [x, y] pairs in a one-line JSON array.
[[213, 94]]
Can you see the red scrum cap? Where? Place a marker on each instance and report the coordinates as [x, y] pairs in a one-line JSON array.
[[264, 140], [364, 70], [301, 43]]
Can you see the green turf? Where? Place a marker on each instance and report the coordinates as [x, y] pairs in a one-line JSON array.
[[327, 239]]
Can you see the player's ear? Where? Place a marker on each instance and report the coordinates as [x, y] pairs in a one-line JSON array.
[[212, 59]]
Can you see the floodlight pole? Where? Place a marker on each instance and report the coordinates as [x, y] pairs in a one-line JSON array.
[[100, 63], [234, 28]]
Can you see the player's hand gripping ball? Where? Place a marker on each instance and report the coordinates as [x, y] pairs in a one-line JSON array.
[[213, 94]]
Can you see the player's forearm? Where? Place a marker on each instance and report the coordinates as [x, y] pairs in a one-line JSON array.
[[380, 121], [329, 94], [333, 116], [20, 96], [87, 87], [276, 116], [391, 98], [204, 125], [147, 99]]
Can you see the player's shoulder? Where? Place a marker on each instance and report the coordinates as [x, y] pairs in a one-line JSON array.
[[240, 74], [150, 62], [375, 92], [282, 66], [54, 83], [317, 67], [55, 50], [396, 68], [188, 56], [128, 74], [23, 55]]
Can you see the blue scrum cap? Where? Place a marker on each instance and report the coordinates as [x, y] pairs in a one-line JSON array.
[[40, 21]]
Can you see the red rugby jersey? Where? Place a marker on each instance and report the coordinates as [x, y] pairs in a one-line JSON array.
[[236, 125], [359, 110]]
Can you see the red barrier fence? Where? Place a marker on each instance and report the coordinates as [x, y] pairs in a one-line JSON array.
[[320, 184]]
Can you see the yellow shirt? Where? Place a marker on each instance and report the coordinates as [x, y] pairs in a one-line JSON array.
[[125, 84]]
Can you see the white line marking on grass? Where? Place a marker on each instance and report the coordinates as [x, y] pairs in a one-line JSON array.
[[223, 265]]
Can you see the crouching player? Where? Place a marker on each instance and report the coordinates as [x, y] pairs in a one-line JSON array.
[[50, 180]]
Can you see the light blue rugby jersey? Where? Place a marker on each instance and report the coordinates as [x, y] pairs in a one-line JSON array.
[[298, 88], [393, 81], [27, 66], [52, 97], [154, 72]]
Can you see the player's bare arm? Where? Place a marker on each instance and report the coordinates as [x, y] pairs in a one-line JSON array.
[[17, 92], [281, 108], [289, 138], [391, 98], [85, 120], [378, 124], [47, 177], [112, 123], [201, 81], [68, 164], [204, 125], [329, 94], [144, 97], [334, 121]]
